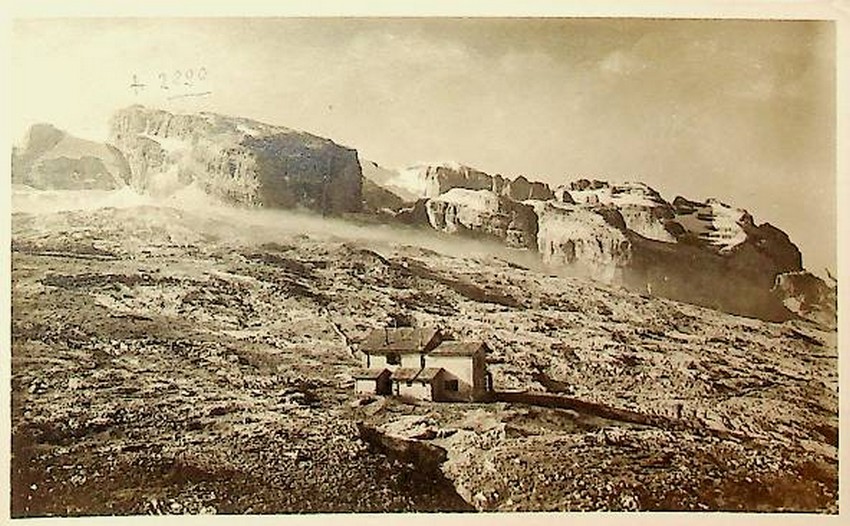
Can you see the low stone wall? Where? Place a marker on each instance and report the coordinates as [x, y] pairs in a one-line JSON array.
[[604, 411]]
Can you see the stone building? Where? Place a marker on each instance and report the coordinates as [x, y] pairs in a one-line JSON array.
[[424, 364]]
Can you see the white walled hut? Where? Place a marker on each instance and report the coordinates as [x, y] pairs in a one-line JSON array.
[[372, 381], [423, 364], [465, 364], [422, 384]]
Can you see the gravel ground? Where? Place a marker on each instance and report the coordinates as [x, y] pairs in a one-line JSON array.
[[167, 362]]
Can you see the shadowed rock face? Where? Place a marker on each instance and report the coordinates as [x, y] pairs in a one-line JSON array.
[[808, 296], [317, 174], [521, 189], [238, 160], [55, 160], [736, 283], [481, 212], [774, 244]]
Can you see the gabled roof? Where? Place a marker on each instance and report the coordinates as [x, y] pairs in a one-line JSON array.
[[459, 348], [429, 373], [405, 374], [408, 374], [400, 340], [368, 374]]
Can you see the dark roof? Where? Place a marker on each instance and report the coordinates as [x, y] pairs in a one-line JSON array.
[[429, 373], [459, 348], [368, 374], [403, 374], [402, 339]]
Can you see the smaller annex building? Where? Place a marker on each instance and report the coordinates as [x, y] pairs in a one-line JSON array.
[[422, 363], [372, 381]]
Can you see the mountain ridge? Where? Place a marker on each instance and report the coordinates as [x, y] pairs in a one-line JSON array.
[[624, 233]]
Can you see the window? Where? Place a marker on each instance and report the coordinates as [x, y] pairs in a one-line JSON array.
[[450, 385], [393, 359]]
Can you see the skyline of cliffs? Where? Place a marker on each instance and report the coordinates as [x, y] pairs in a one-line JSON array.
[[741, 110], [614, 232]]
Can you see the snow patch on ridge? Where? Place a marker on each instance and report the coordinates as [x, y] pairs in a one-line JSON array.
[[625, 194], [481, 200], [169, 144], [412, 181], [717, 223]]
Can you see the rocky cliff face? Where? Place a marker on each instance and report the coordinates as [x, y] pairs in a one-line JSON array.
[[426, 181], [237, 160], [440, 178], [521, 189], [738, 283], [808, 296], [478, 213], [52, 159], [582, 238], [643, 209], [706, 253]]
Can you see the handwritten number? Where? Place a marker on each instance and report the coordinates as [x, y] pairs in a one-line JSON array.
[[188, 77]]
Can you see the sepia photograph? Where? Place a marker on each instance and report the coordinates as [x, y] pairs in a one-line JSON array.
[[278, 265]]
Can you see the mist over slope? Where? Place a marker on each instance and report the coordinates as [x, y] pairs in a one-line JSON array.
[[251, 226], [707, 253]]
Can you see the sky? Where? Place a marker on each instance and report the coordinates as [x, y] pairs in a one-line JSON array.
[[743, 111]]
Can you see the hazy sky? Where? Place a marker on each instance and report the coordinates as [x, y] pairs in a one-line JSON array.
[[739, 110]]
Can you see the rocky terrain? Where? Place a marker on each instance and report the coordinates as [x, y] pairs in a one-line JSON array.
[[171, 360], [477, 213]]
